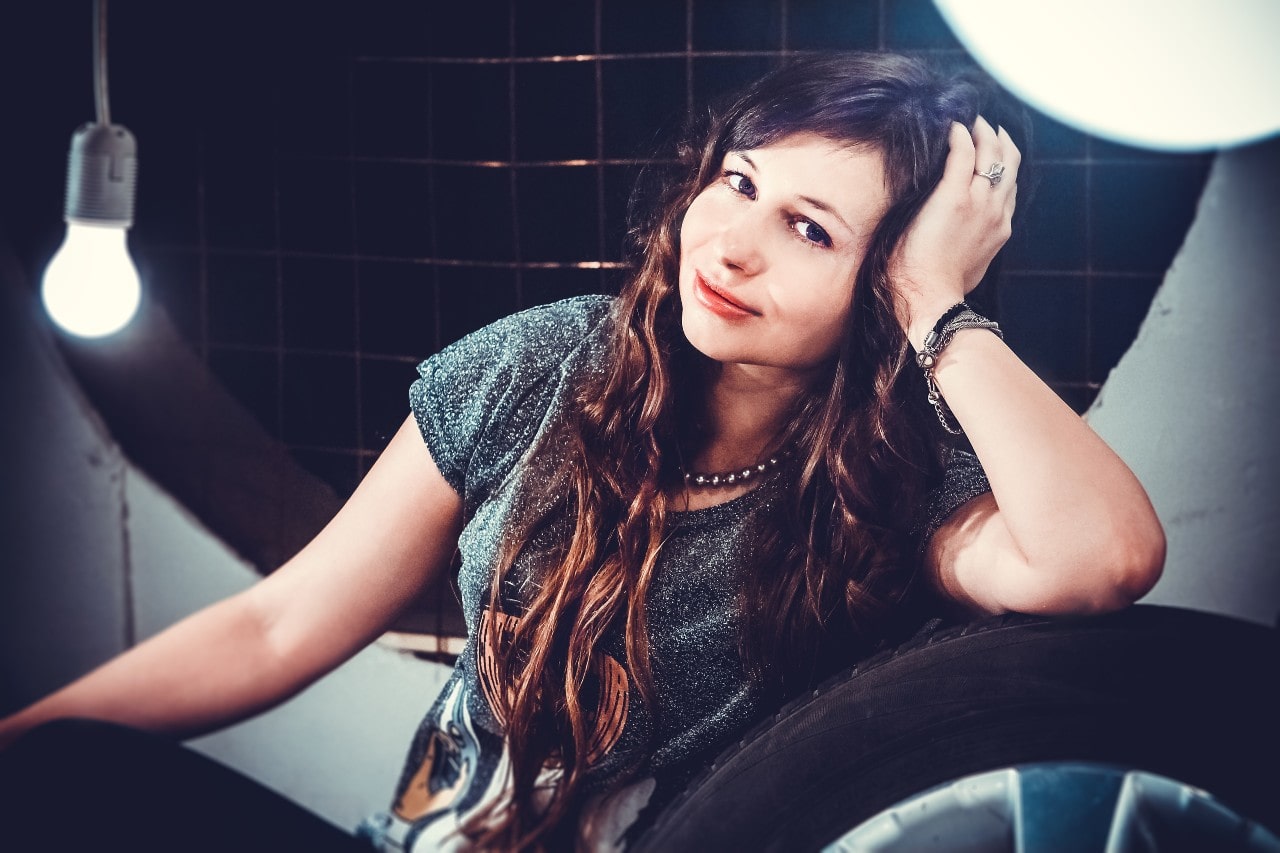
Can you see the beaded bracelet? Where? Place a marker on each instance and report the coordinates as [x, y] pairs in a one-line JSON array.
[[957, 317]]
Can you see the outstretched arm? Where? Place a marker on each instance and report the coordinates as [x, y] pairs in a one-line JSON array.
[[255, 649], [1067, 528]]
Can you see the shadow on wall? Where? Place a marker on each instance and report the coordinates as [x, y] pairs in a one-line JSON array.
[[172, 416]]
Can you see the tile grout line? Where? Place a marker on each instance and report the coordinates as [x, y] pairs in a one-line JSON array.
[[278, 258], [784, 36], [1135, 161], [688, 57], [130, 614], [600, 195], [512, 176], [433, 232], [353, 198], [624, 57], [1089, 278], [202, 286]]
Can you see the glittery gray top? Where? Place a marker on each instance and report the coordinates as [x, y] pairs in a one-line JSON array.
[[481, 404]]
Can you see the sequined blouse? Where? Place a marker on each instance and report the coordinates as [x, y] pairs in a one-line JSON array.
[[482, 404]]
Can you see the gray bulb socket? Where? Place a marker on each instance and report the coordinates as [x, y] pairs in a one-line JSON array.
[[102, 171]]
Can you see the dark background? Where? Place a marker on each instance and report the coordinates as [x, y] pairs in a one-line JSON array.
[[330, 192]]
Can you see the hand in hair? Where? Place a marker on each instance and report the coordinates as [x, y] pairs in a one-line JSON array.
[[958, 232]]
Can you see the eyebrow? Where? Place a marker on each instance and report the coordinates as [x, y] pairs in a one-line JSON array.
[[820, 205]]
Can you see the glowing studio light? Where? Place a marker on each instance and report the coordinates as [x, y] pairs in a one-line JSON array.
[[1165, 74], [91, 286]]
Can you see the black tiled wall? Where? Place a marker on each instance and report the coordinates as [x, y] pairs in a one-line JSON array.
[[330, 192]]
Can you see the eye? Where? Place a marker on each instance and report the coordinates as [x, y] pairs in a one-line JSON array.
[[811, 232], [740, 184]]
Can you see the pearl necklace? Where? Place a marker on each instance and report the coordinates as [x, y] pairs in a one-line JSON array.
[[697, 479]]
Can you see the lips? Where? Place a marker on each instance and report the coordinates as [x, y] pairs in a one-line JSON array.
[[718, 302]]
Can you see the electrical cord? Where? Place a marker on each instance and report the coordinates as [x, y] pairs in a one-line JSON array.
[[103, 106]]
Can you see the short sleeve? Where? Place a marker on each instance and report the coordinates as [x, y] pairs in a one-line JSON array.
[[962, 481], [481, 401]]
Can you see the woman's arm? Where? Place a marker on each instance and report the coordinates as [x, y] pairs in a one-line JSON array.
[[1067, 528], [259, 647]]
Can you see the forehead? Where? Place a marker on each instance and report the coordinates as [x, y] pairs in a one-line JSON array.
[[848, 178]]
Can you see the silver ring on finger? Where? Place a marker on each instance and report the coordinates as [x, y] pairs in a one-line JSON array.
[[993, 174]]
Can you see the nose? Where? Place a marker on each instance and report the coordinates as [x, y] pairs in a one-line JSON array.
[[740, 243]]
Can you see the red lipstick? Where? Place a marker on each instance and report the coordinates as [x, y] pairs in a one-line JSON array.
[[717, 302]]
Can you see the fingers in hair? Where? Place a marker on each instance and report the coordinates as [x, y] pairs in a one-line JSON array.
[[960, 159]]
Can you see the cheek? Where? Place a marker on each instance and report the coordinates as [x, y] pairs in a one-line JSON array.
[[825, 340], [694, 224], [708, 211], [820, 314]]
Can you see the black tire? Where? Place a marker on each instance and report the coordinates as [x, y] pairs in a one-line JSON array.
[[1187, 695]]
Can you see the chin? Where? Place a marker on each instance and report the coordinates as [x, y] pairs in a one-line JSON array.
[[696, 333], [722, 349]]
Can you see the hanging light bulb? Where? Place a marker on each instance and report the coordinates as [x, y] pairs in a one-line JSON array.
[[1177, 75], [91, 286]]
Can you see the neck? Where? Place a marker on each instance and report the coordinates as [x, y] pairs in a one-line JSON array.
[[746, 409]]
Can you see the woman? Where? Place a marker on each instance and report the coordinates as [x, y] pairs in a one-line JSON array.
[[677, 507]]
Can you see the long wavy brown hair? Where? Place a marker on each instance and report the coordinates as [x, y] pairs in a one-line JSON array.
[[835, 559]]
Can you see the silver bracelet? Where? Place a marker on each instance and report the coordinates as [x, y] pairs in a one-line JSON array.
[[957, 317]]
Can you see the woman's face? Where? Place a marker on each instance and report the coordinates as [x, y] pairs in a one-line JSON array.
[[769, 250]]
